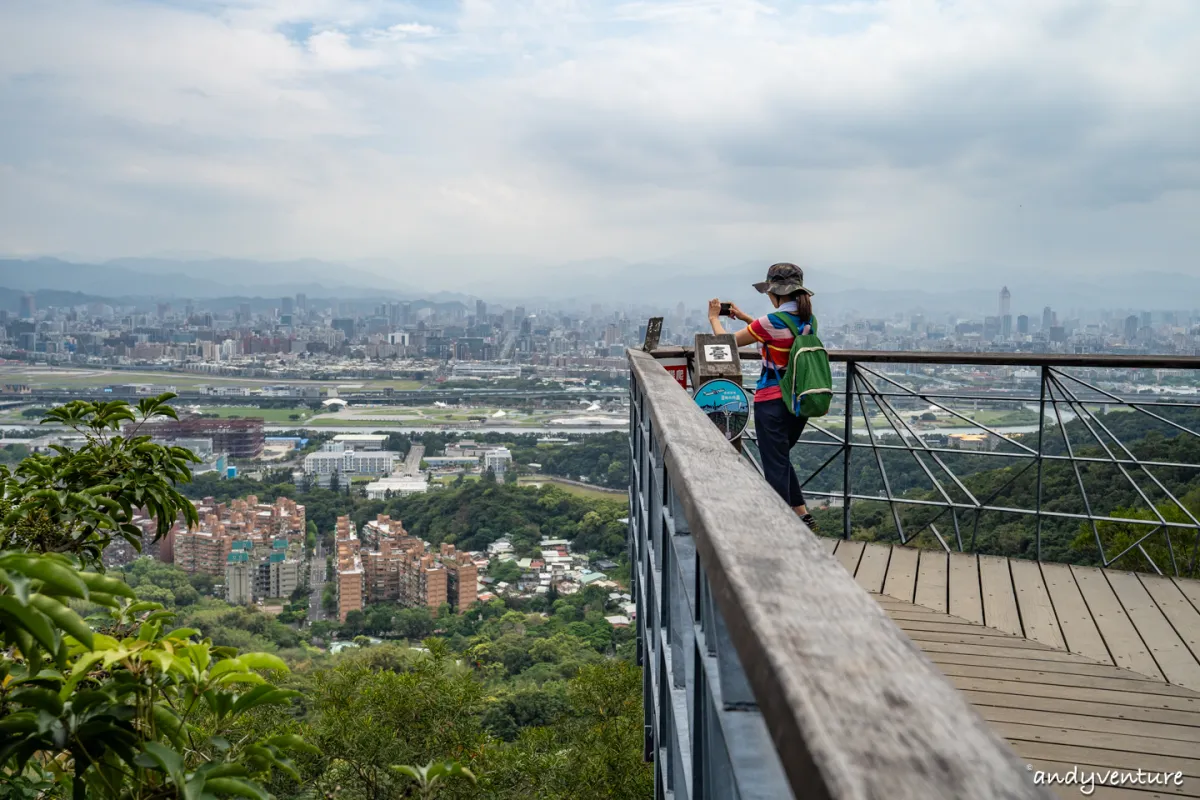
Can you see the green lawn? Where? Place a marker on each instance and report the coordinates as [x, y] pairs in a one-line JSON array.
[[582, 491], [274, 415], [69, 378]]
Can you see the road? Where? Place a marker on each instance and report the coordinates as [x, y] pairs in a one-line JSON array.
[[316, 579], [412, 463]]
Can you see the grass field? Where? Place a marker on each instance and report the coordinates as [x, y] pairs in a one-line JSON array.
[[80, 378], [275, 415], [582, 491]]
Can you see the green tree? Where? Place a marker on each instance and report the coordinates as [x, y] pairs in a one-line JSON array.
[[76, 501], [128, 710]]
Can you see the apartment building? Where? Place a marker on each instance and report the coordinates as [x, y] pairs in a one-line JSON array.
[[383, 563]]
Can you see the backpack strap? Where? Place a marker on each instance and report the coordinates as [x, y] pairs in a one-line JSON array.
[[786, 319]]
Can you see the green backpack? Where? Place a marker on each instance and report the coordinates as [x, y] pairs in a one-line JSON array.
[[807, 383]]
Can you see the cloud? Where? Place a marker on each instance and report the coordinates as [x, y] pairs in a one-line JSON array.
[[1062, 134]]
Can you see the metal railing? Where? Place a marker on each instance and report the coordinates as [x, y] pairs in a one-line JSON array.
[[767, 671], [1072, 434]]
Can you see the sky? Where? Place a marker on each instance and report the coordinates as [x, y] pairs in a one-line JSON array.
[[496, 137]]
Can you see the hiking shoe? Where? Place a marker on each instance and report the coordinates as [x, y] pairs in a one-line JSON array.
[[808, 520]]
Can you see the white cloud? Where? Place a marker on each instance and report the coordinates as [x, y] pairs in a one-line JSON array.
[[923, 132]]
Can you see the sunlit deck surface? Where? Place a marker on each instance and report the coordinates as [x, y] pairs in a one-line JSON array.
[[1074, 666]]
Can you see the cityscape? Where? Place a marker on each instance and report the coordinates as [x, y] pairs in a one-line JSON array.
[[292, 337]]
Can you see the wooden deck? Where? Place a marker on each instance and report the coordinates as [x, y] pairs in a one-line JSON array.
[[1075, 666]]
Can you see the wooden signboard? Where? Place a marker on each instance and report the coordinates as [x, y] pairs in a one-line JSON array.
[[653, 332]]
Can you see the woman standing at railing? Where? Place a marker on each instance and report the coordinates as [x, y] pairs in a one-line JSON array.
[[777, 429]]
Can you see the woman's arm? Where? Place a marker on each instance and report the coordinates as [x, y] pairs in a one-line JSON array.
[[742, 337]]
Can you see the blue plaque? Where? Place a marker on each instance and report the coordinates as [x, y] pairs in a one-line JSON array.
[[726, 405]]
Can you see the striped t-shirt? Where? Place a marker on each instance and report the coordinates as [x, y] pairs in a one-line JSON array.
[[776, 342]]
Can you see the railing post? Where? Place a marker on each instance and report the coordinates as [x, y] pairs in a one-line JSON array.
[[847, 436], [1043, 376]]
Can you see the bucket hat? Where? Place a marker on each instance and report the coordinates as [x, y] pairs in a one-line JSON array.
[[783, 279]]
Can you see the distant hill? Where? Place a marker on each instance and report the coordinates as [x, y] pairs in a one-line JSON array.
[[208, 278]]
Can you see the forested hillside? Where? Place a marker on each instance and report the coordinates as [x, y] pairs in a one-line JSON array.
[[137, 685]]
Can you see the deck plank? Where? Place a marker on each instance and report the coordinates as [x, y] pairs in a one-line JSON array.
[[999, 603], [873, 567], [1078, 626], [1190, 589], [1179, 611], [828, 543], [1100, 740], [1033, 601], [919, 626], [1109, 697], [987, 640], [1169, 651], [1093, 708], [998, 649], [931, 580], [965, 601], [1090, 723], [1127, 648], [1050, 678], [1035, 665], [901, 581], [848, 554]]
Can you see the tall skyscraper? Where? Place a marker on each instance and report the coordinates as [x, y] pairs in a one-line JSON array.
[[28, 306], [286, 305], [1131, 328], [480, 312], [1022, 324], [1006, 327], [301, 302], [1047, 319]]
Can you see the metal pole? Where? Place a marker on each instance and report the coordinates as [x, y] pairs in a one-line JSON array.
[[847, 431], [1041, 430]]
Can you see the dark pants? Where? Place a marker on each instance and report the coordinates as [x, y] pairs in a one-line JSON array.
[[777, 432]]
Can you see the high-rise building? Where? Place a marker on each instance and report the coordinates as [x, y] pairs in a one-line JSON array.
[[1131, 328], [302, 302], [1005, 313], [1023, 324], [28, 306], [345, 325], [238, 578], [286, 305], [1049, 319], [480, 312]]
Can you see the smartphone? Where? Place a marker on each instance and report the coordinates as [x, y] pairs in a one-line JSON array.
[[726, 309]]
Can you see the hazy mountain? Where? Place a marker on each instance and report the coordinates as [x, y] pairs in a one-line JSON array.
[[207, 278]]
